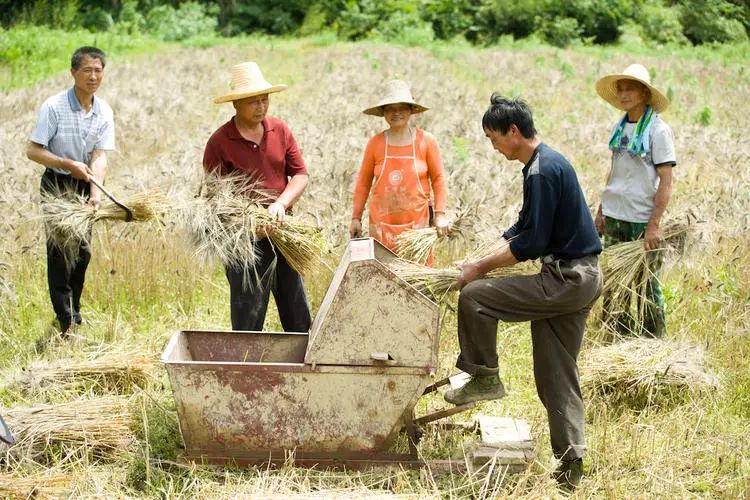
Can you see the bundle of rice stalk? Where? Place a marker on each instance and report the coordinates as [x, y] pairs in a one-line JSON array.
[[97, 428], [69, 218], [116, 373], [416, 245], [438, 283], [642, 372], [626, 265], [228, 218], [46, 485]]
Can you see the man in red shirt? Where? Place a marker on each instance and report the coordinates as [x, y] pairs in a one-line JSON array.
[[265, 149]]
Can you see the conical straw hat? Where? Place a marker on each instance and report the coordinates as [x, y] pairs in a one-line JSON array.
[[396, 92], [606, 87], [247, 81]]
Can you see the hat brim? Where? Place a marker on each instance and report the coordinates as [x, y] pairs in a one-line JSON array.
[[606, 87], [241, 94], [377, 110]]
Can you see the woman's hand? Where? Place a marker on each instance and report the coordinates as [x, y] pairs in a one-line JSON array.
[[441, 223], [355, 228]]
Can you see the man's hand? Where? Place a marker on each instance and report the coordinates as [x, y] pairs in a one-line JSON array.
[[441, 223], [470, 271], [277, 211], [599, 222], [355, 228], [652, 238], [77, 169]]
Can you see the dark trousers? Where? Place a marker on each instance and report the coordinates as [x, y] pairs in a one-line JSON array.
[[272, 273], [66, 269], [557, 302]]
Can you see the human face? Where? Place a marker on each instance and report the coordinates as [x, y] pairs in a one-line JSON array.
[[397, 115], [252, 110], [633, 96], [506, 143], [89, 75]]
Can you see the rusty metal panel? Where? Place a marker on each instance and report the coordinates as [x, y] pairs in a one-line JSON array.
[[267, 347], [239, 409], [370, 316]]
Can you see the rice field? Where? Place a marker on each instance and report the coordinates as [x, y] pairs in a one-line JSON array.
[[146, 280]]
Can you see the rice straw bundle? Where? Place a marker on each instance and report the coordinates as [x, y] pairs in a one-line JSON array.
[[69, 218], [642, 372], [228, 217], [438, 283], [98, 427], [626, 265], [46, 485], [119, 374], [416, 245]]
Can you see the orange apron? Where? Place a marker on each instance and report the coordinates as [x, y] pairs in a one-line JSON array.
[[398, 202]]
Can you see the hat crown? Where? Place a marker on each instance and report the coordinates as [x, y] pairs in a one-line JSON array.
[[639, 72], [247, 76], [397, 91]]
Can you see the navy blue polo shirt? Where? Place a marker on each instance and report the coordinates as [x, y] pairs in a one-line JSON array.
[[555, 218]]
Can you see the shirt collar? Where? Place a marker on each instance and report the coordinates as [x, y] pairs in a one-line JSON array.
[[234, 133], [76, 106]]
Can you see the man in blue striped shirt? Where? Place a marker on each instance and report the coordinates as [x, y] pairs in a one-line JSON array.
[[74, 130]]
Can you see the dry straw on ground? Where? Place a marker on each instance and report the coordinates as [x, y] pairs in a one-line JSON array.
[[42, 485], [638, 373], [115, 373], [93, 428], [227, 220]]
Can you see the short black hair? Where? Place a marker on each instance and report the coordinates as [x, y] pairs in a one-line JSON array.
[[504, 112], [81, 52]]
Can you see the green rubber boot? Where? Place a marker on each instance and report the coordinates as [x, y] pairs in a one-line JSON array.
[[480, 387]]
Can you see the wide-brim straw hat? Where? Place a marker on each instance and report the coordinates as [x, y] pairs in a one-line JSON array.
[[247, 81], [606, 87], [396, 92]]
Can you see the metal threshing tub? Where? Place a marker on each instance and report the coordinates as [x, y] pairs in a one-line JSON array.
[[343, 391]]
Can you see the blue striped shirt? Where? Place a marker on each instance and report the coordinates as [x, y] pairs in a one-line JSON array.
[[69, 132]]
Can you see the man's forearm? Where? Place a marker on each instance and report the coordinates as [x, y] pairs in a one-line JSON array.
[[502, 258], [661, 199], [293, 190], [45, 157]]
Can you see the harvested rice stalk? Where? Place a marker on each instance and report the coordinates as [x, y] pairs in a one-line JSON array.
[[98, 428], [69, 218], [119, 374], [626, 265], [416, 245], [228, 217], [45, 485], [643, 372]]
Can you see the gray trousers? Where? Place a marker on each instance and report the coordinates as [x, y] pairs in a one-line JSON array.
[[557, 301]]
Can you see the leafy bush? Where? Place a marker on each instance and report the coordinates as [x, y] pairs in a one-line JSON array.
[[659, 23], [559, 31], [706, 21], [267, 16], [450, 18], [189, 20]]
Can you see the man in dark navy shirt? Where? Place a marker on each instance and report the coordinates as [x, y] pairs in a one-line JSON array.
[[555, 226]]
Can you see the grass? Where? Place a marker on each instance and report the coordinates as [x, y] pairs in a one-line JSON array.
[[144, 282]]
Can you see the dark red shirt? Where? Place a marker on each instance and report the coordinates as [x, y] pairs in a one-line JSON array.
[[275, 159]]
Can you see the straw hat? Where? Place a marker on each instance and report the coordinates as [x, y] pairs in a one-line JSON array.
[[396, 92], [247, 81], [606, 87]]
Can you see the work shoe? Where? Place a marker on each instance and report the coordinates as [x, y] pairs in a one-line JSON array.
[[479, 388], [568, 474]]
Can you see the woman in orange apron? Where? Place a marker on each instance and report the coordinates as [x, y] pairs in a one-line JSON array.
[[400, 167]]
